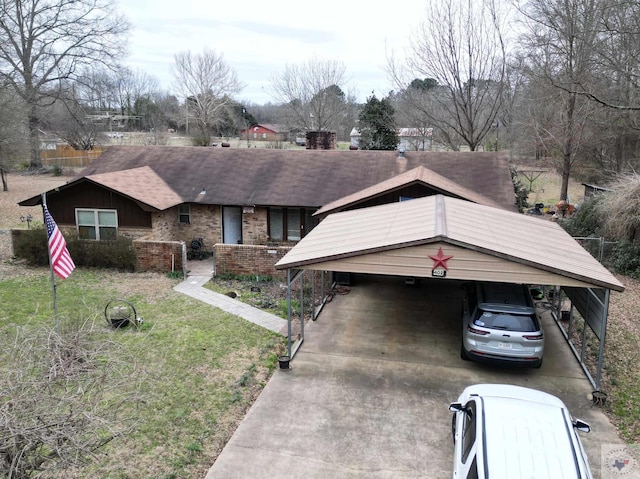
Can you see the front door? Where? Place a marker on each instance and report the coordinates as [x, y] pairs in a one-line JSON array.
[[232, 224]]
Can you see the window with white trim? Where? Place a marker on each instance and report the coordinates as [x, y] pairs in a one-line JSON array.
[[184, 214], [100, 225]]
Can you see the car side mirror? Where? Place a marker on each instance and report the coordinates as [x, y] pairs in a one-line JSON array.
[[581, 426], [456, 407]]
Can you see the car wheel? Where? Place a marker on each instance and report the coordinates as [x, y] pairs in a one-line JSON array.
[[463, 354]]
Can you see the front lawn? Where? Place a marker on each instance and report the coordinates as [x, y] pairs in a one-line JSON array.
[[194, 369]]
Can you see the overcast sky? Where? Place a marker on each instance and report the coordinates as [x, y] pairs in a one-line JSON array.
[[258, 39]]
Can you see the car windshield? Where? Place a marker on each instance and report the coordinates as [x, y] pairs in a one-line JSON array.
[[507, 322]]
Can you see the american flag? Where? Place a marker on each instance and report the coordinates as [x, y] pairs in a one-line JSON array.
[[61, 261]]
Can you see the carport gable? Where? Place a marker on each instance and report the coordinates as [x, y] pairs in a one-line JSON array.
[[484, 243]]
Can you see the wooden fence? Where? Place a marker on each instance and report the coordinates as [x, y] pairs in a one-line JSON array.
[[65, 156]]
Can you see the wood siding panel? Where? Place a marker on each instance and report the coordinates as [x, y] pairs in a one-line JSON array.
[[86, 195]]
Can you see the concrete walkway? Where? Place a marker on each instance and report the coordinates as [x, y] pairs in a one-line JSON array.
[[193, 286]]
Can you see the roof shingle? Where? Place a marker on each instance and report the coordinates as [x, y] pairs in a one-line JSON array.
[[308, 178]]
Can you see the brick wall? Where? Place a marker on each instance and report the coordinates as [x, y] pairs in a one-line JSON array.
[[254, 225], [205, 223], [249, 259], [159, 256]]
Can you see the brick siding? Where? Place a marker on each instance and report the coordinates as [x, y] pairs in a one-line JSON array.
[[249, 259], [158, 256]]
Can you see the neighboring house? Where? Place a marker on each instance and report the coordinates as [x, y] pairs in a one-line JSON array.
[[49, 141], [409, 139], [256, 196], [415, 139], [265, 132]]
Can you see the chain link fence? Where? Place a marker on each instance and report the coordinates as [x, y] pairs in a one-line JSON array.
[[600, 248]]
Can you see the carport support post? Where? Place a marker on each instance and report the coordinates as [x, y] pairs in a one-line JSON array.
[[584, 331], [313, 295], [603, 335], [302, 303], [289, 312]]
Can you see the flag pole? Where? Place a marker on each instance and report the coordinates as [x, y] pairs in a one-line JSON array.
[[53, 278]]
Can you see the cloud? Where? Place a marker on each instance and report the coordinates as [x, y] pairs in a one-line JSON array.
[[259, 41]]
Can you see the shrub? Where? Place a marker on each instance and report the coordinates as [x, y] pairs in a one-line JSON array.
[[521, 192], [625, 258], [118, 254], [621, 208], [587, 221], [31, 245], [606, 215]]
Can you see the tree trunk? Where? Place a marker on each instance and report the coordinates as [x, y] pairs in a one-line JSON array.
[[566, 173], [35, 162]]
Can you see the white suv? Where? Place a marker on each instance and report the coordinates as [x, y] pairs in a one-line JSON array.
[[510, 432]]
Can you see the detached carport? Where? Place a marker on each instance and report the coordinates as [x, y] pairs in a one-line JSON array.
[[451, 239]]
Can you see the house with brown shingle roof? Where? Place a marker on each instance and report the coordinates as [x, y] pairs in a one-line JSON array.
[[256, 196]]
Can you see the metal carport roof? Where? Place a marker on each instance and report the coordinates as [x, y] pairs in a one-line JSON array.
[[484, 243]]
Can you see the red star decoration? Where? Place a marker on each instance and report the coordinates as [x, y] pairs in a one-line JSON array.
[[440, 260]]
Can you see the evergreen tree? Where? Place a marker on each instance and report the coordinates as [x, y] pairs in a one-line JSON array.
[[377, 125]]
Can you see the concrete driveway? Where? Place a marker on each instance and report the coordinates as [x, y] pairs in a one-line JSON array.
[[368, 392]]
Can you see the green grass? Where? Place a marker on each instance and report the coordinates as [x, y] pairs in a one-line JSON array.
[[197, 368]]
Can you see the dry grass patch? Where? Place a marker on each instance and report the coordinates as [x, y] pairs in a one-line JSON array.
[[21, 187]]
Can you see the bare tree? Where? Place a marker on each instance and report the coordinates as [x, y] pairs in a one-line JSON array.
[[511, 129], [461, 46], [123, 98], [96, 87], [46, 42], [616, 65], [559, 45], [72, 121], [313, 94], [13, 146], [132, 86], [207, 83]]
